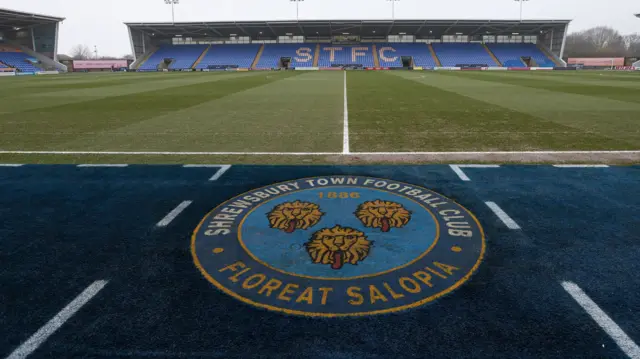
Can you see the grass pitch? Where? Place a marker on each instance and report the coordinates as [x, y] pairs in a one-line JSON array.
[[303, 112]]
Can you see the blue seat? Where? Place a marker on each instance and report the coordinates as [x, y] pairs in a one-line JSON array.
[[346, 55], [241, 55], [301, 55], [452, 54], [510, 54], [390, 54], [19, 61], [184, 56]]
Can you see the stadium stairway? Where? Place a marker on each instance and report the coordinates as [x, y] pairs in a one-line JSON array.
[[546, 52], [258, 56], [140, 61], [453, 54], [202, 55], [511, 54], [434, 56], [301, 55], [391, 54], [241, 55], [492, 55], [17, 60], [316, 57], [376, 60], [185, 56]]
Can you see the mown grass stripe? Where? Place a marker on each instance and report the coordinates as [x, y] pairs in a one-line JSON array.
[[605, 124], [300, 113], [559, 84], [411, 112], [70, 122]]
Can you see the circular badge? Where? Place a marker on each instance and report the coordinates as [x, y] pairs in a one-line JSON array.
[[338, 246]]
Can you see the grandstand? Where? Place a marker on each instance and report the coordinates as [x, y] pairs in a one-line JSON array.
[[241, 55], [336, 43], [28, 42]]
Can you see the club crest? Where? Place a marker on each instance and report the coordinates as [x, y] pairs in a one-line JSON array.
[[338, 246]]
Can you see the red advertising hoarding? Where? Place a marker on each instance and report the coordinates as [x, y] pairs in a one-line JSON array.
[[597, 61]]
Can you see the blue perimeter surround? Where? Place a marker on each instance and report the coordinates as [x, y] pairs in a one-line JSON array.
[[63, 227]]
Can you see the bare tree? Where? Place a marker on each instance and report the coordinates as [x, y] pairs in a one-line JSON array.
[[128, 57], [80, 52], [632, 43], [599, 41]]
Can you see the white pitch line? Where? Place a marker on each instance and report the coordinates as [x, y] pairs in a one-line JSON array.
[[103, 165], [173, 214], [10, 165], [479, 166], [221, 171], [459, 172], [345, 130], [166, 153], [202, 166], [504, 217], [193, 153], [616, 333], [581, 166], [56, 322], [500, 153]]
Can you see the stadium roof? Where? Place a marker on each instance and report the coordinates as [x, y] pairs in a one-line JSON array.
[[364, 28], [11, 19]]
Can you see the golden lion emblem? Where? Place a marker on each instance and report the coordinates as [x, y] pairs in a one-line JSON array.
[[337, 246], [290, 216], [383, 214]]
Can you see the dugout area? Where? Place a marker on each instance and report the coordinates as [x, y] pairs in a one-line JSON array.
[[65, 227]]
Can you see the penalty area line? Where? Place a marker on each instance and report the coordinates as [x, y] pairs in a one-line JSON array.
[[626, 344], [39, 337]]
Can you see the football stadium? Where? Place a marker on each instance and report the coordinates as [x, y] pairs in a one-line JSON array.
[[318, 189]]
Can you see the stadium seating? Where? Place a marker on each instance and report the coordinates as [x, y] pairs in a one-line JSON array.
[[241, 55], [390, 54], [510, 54], [346, 55], [301, 55], [18, 60], [184, 56], [452, 54]]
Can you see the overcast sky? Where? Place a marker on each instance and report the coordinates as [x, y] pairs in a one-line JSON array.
[[100, 23]]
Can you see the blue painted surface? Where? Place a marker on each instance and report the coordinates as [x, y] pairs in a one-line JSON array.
[[394, 249], [63, 227]]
